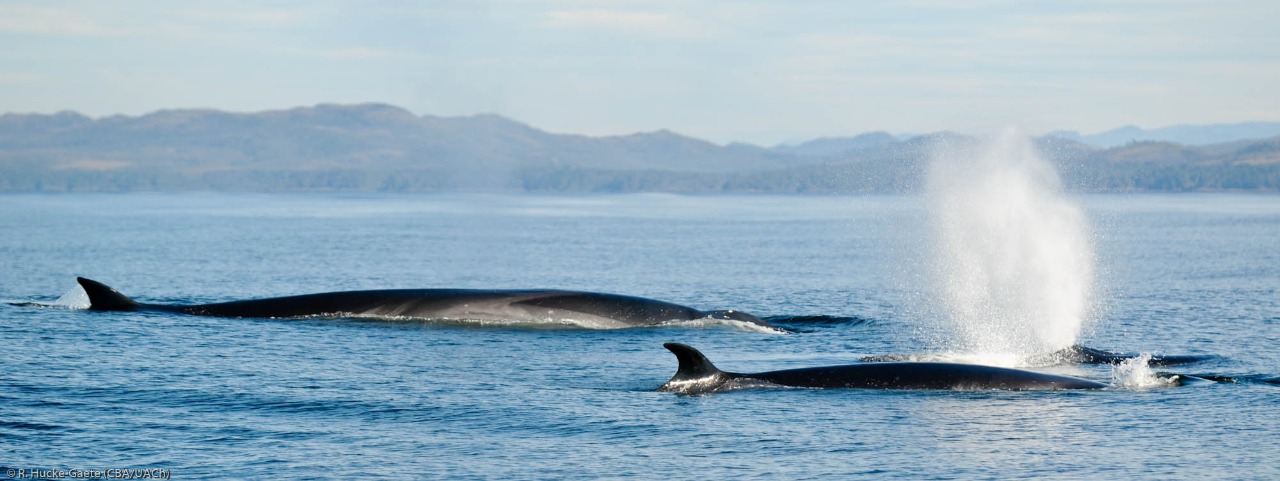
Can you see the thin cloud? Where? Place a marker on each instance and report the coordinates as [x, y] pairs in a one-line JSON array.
[[258, 18], [344, 53], [356, 53], [52, 21], [608, 19], [13, 79], [635, 22]]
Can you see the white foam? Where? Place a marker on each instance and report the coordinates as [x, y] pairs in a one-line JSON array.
[[732, 323], [1135, 373]]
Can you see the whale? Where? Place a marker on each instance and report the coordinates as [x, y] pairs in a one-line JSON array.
[[588, 309], [697, 375], [1088, 355], [1075, 354]]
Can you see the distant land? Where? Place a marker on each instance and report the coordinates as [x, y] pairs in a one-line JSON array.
[[383, 148], [1181, 134]]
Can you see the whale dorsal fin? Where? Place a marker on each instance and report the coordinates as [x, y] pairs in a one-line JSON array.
[[696, 374], [104, 298]]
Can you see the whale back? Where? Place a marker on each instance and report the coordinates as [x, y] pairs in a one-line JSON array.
[[595, 309], [696, 375], [629, 309], [1089, 355], [922, 375]]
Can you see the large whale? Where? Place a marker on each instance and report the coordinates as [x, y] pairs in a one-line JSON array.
[[696, 375], [1088, 355], [1075, 354], [533, 306]]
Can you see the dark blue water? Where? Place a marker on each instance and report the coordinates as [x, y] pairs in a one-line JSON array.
[[252, 398]]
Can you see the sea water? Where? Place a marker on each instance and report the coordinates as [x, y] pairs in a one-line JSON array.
[[214, 398]]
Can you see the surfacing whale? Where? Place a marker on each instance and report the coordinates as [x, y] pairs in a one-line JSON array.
[[696, 375], [588, 309], [1075, 354], [1088, 355]]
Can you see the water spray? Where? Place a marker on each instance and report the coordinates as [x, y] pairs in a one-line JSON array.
[[1012, 263]]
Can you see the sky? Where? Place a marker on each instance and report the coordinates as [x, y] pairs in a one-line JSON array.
[[762, 72]]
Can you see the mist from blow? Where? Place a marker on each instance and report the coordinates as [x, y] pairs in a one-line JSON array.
[[1012, 264]]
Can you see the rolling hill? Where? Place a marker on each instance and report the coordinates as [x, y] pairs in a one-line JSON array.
[[378, 147]]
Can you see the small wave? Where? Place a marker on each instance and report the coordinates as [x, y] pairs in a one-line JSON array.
[[20, 425], [30, 304], [46, 305], [817, 319], [716, 322], [709, 386], [1183, 379], [811, 323], [75, 299]]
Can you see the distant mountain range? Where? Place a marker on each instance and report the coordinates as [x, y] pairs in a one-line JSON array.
[[376, 147], [1181, 134]]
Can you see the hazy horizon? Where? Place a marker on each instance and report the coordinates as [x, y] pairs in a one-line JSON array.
[[780, 144], [763, 73]]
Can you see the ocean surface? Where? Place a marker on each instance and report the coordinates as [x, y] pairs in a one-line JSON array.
[[845, 276]]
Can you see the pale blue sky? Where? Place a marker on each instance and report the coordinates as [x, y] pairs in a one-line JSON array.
[[755, 71]]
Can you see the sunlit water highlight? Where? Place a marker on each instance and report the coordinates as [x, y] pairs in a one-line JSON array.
[[1011, 260]]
